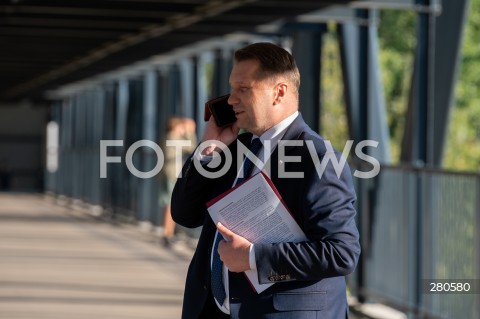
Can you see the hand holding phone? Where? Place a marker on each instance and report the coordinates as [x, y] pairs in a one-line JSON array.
[[221, 124], [220, 109]]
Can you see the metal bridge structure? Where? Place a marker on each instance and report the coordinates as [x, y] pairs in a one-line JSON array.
[[117, 70]]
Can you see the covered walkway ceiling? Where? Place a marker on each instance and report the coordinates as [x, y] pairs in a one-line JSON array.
[[45, 44]]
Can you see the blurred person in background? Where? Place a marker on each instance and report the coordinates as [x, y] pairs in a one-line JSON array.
[[177, 128]]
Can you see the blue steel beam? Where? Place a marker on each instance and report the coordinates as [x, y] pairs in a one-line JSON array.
[[223, 63], [108, 133], [97, 114], [201, 87], [364, 96], [187, 83], [449, 26], [418, 128], [366, 114], [147, 208], [307, 47], [433, 84], [348, 43]]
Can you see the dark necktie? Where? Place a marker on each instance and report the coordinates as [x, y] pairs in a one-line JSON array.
[[218, 289]]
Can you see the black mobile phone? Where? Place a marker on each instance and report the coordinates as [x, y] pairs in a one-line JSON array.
[[220, 109]]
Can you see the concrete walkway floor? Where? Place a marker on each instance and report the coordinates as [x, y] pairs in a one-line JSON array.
[[56, 262], [62, 263]]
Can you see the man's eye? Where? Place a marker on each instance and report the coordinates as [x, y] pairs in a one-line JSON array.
[[240, 89]]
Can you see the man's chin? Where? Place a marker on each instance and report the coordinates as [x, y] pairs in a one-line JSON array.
[[240, 123]]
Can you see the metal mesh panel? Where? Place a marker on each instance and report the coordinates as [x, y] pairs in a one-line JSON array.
[[451, 203], [424, 225], [391, 224]]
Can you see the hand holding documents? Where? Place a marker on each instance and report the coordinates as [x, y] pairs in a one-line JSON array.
[[254, 210]]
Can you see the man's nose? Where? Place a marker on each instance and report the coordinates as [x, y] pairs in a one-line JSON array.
[[232, 100]]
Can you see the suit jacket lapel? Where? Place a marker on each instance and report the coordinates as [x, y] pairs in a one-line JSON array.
[[295, 129], [293, 132]]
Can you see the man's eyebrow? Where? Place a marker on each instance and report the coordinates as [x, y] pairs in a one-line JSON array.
[[241, 83]]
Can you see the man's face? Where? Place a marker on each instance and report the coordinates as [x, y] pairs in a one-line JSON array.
[[252, 99]]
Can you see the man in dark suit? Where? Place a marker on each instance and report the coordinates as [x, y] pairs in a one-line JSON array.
[[309, 276]]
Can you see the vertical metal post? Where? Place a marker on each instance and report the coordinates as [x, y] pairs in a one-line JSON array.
[[353, 55], [187, 84], [424, 80], [134, 134], [377, 114], [307, 51], [201, 89], [197, 112], [63, 149], [96, 113], [85, 155], [348, 44], [449, 25], [84, 130], [363, 51], [51, 185], [363, 204], [98, 127], [222, 67], [71, 147], [173, 93], [147, 208], [163, 89], [90, 182], [69, 130], [418, 231], [108, 133], [366, 113], [76, 120], [121, 111], [417, 147]]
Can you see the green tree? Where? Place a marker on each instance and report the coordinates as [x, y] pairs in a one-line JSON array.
[[397, 40], [397, 44], [463, 141], [333, 124]]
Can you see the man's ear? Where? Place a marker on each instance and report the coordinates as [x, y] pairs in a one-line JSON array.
[[280, 92]]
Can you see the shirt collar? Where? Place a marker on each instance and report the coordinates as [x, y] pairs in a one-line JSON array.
[[276, 132]]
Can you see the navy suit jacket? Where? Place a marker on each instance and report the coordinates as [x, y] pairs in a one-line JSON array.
[[309, 276]]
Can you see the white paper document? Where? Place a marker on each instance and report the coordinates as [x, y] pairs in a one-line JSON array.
[[255, 211]]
